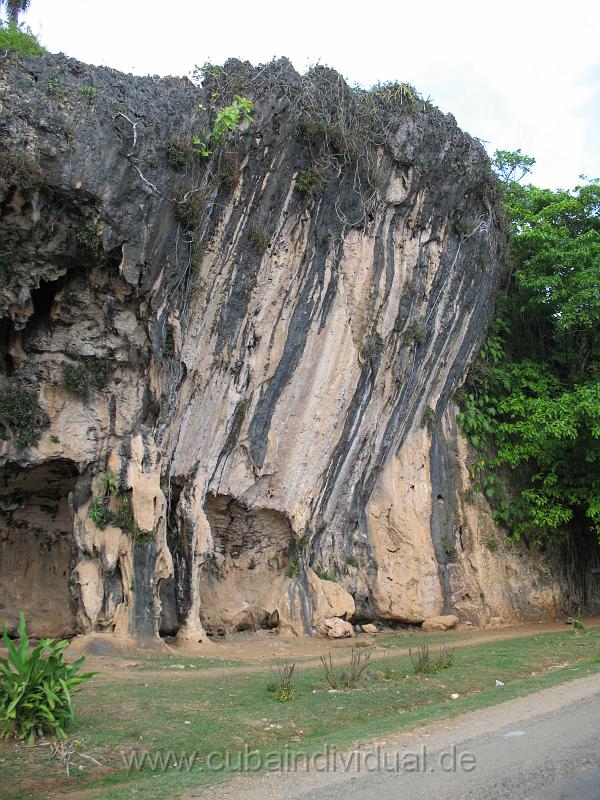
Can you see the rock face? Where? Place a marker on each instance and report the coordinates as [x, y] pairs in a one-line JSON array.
[[221, 374]]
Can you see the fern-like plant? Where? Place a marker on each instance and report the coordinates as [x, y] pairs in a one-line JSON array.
[[36, 685]]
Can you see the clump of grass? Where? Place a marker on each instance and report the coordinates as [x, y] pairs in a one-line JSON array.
[[309, 181], [359, 661], [189, 211], [227, 174], [322, 573], [428, 417], [284, 688], [21, 170], [89, 235], [180, 152], [415, 334], [374, 347], [259, 238], [75, 378], [352, 561], [22, 414], [426, 663]]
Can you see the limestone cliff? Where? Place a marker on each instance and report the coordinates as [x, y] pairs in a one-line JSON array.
[[245, 362]]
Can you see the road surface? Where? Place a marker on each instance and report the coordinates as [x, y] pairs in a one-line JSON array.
[[542, 747]]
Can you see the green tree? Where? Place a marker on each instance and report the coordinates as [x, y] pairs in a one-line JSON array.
[[15, 7], [532, 402]]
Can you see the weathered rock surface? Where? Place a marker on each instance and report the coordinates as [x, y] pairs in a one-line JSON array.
[[445, 622], [261, 347]]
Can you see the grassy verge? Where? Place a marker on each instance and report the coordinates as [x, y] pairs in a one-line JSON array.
[[204, 713]]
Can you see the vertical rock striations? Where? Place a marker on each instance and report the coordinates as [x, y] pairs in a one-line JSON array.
[[227, 382]]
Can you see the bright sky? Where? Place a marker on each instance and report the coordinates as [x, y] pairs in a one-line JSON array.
[[516, 74]]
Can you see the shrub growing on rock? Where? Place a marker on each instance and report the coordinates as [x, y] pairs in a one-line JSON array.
[[20, 411]]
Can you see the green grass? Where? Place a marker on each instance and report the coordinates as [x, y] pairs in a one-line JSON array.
[[229, 710]]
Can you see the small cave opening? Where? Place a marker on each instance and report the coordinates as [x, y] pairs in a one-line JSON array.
[[43, 298], [37, 547], [244, 579], [7, 366]]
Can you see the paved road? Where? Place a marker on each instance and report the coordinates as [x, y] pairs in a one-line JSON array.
[[542, 747]]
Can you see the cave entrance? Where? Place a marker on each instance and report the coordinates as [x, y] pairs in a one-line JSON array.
[[243, 582], [36, 547]]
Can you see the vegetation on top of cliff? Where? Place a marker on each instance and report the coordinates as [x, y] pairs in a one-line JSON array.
[[532, 402], [348, 119], [19, 38]]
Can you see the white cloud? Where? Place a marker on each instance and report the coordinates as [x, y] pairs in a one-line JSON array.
[[513, 73]]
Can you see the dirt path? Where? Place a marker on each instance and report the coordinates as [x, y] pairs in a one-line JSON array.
[[260, 651]]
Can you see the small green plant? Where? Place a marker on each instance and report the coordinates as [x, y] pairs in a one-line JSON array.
[[424, 663], [53, 86], [492, 544], [21, 413], [352, 561], [297, 548], [577, 622], [19, 38], [309, 182], [108, 483], [228, 119], [322, 573], [88, 93], [75, 378], [284, 689], [428, 417], [90, 236], [36, 686], [55, 440], [449, 549], [259, 238], [121, 517]]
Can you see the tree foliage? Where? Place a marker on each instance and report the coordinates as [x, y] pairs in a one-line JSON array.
[[532, 401]]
